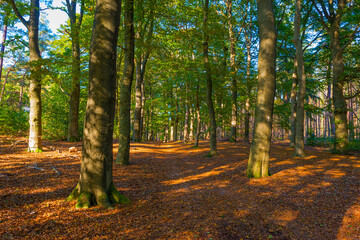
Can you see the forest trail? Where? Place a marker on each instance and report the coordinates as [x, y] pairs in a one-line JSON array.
[[179, 193]]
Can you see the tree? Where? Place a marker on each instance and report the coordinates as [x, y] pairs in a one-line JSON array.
[[32, 26], [299, 133], [144, 38], [233, 70], [75, 23], [258, 165], [213, 150], [96, 181], [330, 16], [125, 86]]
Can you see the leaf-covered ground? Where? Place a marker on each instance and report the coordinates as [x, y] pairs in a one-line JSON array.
[[178, 193]]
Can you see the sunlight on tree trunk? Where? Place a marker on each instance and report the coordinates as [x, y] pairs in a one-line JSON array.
[[299, 133], [96, 180], [258, 165]]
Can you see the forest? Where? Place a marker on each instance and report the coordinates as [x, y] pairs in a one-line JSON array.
[[168, 119]]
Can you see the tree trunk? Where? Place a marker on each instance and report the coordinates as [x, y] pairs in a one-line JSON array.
[[2, 50], [248, 89], [233, 71], [138, 102], [198, 126], [35, 144], [125, 88], [213, 150], [96, 180], [299, 133], [340, 106], [294, 87], [187, 115], [73, 125], [258, 165]]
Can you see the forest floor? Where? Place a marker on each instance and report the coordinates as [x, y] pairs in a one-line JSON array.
[[179, 193]]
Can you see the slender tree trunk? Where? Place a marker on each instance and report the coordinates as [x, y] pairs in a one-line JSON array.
[[96, 180], [213, 150], [75, 23], [2, 50], [125, 88], [233, 71], [5, 81], [299, 133], [35, 143], [258, 165], [294, 87], [248, 88], [187, 115], [138, 102], [198, 123]]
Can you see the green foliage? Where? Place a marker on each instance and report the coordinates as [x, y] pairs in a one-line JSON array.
[[12, 121]]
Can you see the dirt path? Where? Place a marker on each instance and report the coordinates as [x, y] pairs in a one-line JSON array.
[[177, 193]]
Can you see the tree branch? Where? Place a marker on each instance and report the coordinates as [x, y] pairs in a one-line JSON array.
[[17, 13]]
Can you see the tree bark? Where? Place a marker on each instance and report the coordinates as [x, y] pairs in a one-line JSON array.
[[340, 106], [74, 101], [299, 133], [96, 180], [258, 165], [198, 123], [125, 88], [213, 150], [2, 50], [293, 93], [233, 71]]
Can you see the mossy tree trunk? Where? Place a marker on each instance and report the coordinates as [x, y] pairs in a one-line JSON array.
[[123, 156], [258, 165], [96, 180], [213, 150], [75, 23]]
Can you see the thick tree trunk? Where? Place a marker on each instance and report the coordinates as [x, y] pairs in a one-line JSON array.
[[233, 71], [258, 165], [125, 88], [299, 136], [213, 150], [96, 180]]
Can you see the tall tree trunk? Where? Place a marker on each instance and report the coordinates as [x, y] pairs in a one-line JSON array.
[[198, 123], [293, 93], [35, 143], [187, 115], [96, 180], [2, 50], [258, 165], [75, 23], [248, 87], [213, 150], [340, 106], [233, 71], [138, 102], [125, 88], [299, 133]]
